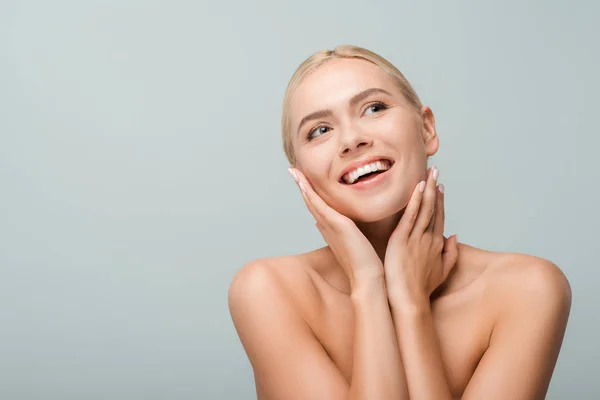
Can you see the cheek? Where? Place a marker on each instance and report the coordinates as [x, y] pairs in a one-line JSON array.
[[316, 161], [314, 172], [401, 129]]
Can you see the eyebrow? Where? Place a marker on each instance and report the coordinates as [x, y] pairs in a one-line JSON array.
[[352, 102]]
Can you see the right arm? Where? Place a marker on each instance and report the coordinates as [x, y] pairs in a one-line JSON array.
[[287, 358], [377, 371]]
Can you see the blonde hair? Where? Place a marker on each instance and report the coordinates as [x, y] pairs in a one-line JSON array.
[[321, 57]]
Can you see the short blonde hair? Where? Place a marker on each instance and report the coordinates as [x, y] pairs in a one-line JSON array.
[[321, 57]]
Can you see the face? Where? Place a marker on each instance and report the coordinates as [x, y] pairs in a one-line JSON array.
[[379, 124]]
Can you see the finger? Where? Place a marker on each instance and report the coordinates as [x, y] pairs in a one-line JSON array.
[[311, 207], [296, 175], [431, 226], [440, 212], [449, 255], [326, 214], [427, 207], [411, 212], [433, 220]]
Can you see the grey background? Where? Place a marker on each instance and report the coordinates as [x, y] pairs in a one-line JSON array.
[[141, 167]]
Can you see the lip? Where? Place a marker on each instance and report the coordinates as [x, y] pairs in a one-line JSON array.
[[359, 163], [372, 182]]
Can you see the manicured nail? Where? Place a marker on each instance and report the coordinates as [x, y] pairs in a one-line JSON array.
[[302, 187], [422, 186], [436, 172], [293, 174], [441, 187]]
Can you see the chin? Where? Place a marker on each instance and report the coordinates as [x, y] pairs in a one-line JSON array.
[[374, 211]]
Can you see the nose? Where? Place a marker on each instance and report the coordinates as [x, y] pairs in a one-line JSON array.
[[352, 140]]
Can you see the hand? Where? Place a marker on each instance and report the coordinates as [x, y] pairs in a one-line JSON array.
[[418, 257], [351, 248]]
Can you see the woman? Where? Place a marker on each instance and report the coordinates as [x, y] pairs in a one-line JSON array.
[[390, 309]]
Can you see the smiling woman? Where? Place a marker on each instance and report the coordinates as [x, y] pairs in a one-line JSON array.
[[390, 308]]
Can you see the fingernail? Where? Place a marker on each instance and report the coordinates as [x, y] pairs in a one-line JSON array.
[[422, 186], [441, 187], [293, 174], [302, 187], [436, 172]]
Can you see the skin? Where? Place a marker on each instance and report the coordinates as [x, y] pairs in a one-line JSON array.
[[465, 322]]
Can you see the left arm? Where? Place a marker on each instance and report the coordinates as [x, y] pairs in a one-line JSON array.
[[417, 260], [420, 351], [526, 339], [523, 349]]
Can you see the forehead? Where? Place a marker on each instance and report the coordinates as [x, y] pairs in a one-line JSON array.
[[333, 83]]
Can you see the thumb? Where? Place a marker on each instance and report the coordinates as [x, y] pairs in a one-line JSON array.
[[449, 254]]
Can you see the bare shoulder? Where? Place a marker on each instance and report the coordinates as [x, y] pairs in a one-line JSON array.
[[284, 271], [515, 271], [529, 300], [515, 279], [266, 300], [284, 277]]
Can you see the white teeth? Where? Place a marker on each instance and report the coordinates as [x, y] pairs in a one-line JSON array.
[[352, 176]]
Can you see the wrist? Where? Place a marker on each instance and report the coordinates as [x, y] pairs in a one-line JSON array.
[[409, 304], [367, 286], [366, 275]]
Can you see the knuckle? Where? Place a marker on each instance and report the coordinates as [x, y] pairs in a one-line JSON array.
[[330, 225], [412, 217], [438, 243], [337, 224], [432, 206], [428, 236], [344, 223]]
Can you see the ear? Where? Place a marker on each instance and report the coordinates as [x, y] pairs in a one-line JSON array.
[[430, 137]]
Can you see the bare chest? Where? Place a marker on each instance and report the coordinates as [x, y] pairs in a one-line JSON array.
[[462, 323]]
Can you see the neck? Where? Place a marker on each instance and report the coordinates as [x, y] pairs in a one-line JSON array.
[[378, 233]]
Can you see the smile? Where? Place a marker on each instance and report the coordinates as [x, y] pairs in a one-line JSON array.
[[368, 179]]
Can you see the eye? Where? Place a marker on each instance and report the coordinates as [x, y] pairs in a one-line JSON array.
[[378, 105], [319, 129]]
